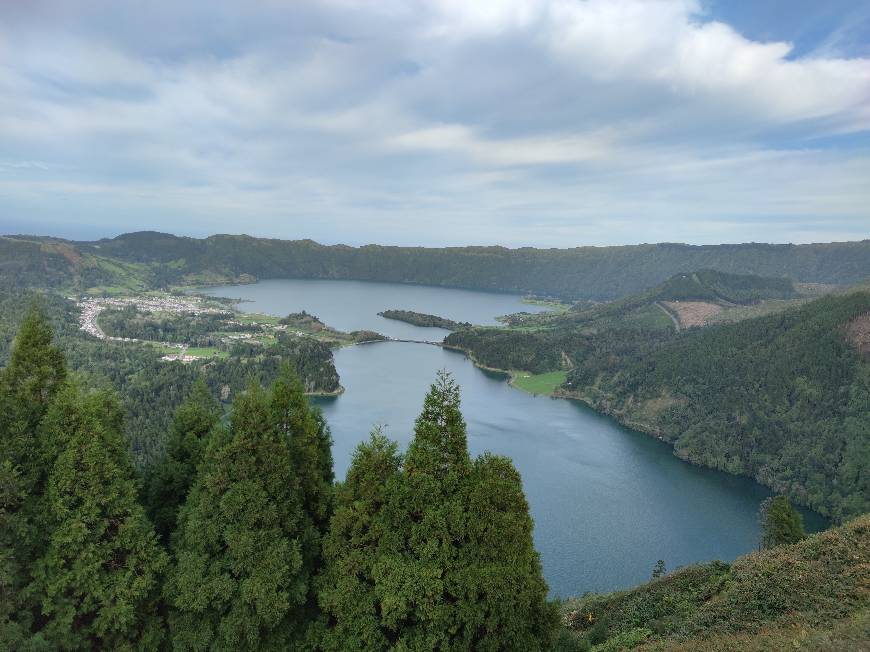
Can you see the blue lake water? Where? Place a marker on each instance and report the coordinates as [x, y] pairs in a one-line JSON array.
[[607, 501]]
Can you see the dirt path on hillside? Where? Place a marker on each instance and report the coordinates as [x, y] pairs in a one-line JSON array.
[[669, 314]]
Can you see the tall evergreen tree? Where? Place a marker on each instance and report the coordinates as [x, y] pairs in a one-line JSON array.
[[240, 580], [781, 523], [448, 544], [347, 584], [14, 624], [98, 582], [170, 480], [35, 371], [310, 446]]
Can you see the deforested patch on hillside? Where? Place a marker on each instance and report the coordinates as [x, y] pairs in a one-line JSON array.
[[858, 333], [693, 313]]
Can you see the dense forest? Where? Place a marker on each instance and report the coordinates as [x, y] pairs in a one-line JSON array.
[[148, 259], [151, 389], [783, 398], [237, 537], [423, 319]]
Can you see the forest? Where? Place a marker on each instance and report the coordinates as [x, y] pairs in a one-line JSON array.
[[159, 260], [423, 319], [236, 536], [783, 398], [149, 388]]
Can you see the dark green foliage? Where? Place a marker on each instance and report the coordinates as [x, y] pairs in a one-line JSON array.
[[28, 384], [98, 581], [437, 554], [351, 549], [36, 369], [249, 534], [819, 580], [14, 618], [712, 285], [423, 319], [192, 329], [151, 389], [659, 569], [170, 479], [783, 398], [781, 523], [160, 260], [311, 453]]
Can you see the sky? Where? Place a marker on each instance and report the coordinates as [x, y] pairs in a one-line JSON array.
[[550, 123]]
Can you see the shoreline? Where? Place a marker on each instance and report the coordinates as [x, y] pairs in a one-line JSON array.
[[640, 427]]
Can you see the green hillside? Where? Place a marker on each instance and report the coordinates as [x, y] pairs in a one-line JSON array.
[[812, 595], [783, 398], [712, 285], [583, 272]]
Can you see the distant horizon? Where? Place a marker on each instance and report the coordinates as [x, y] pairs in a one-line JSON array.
[[545, 123], [96, 238]]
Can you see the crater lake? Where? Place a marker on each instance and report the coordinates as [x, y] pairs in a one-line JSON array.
[[607, 501]]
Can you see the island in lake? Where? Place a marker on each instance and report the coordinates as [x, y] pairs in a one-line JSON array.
[[423, 319]]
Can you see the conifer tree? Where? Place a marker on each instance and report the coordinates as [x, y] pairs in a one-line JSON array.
[[347, 585], [14, 624], [170, 481], [239, 580], [781, 523], [454, 563], [98, 582], [35, 371], [310, 447]]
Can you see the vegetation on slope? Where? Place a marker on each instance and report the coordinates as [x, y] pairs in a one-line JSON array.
[[151, 389], [783, 398], [256, 549], [782, 598], [162, 260], [309, 324], [424, 319]]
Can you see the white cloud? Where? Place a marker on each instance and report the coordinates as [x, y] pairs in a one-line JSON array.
[[549, 122]]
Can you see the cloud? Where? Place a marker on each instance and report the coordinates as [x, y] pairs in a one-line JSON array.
[[520, 121]]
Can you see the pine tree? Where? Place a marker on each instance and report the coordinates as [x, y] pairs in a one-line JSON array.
[[239, 580], [454, 564], [310, 446], [28, 384], [347, 584], [98, 582], [14, 625], [504, 595], [781, 523], [170, 481], [35, 372]]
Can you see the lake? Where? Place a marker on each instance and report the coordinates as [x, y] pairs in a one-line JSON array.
[[607, 501]]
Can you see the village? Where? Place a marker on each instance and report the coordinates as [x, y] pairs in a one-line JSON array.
[[92, 307]]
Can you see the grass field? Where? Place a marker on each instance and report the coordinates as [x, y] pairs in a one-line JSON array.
[[255, 317], [538, 383], [554, 306], [206, 352]]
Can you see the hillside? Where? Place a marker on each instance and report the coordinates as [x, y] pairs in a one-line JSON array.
[[811, 595], [423, 319], [783, 398], [583, 272], [152, 388]]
